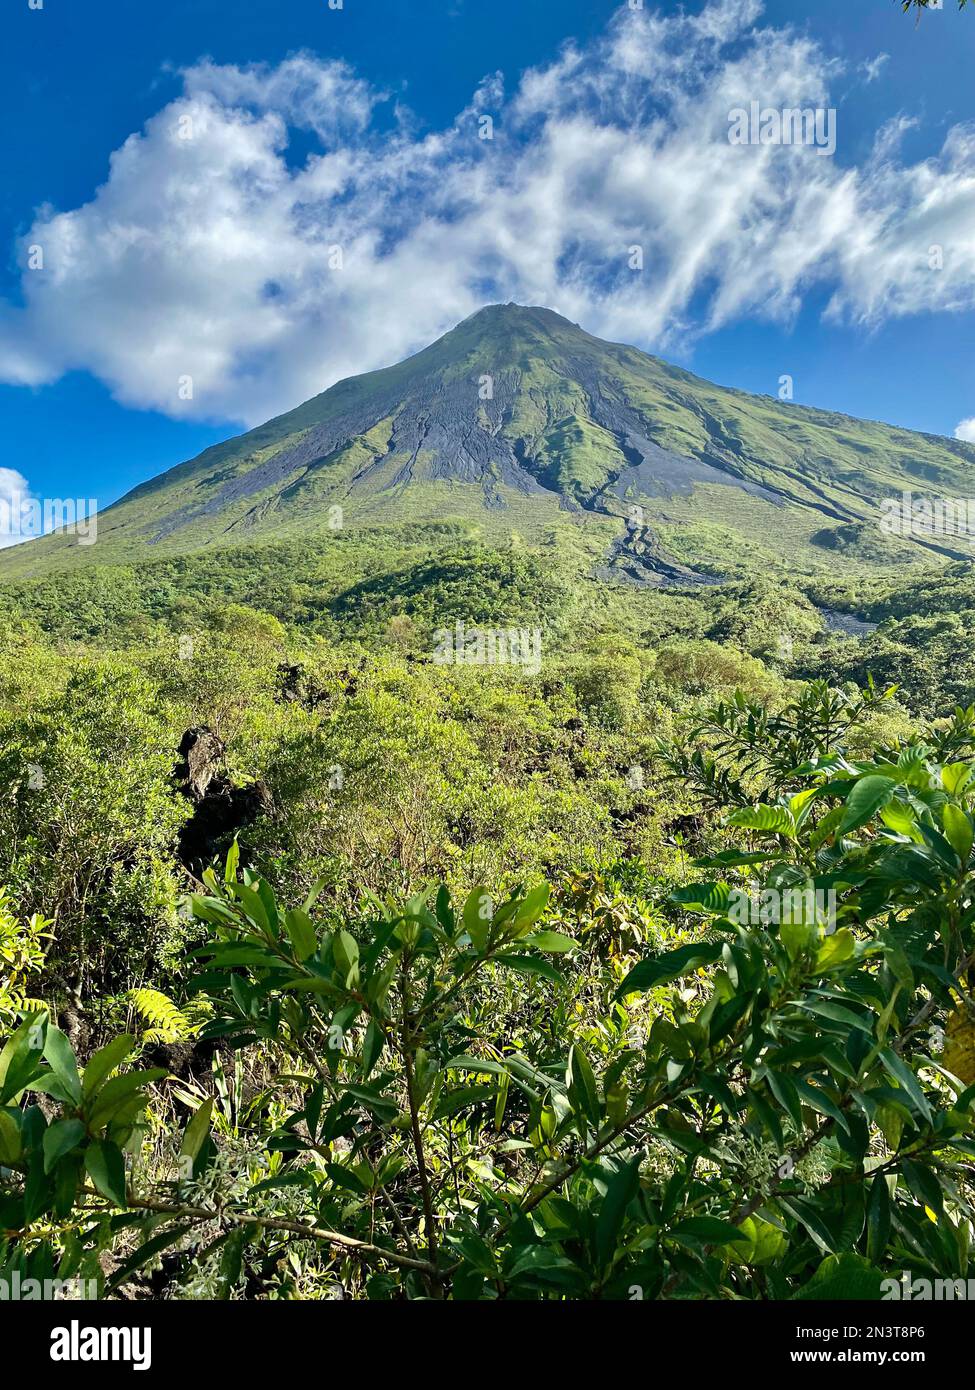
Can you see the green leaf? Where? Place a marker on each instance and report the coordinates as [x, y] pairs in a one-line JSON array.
[[537, 1259], [375, 1041], [212, 910], [897, 1068], [838, 1014], [878, 1218], [923, 1184], [531, 907], [706, 1230], [345, 951], [20, 1058], [444, 911], [620, 1191], [800, 933], [776, 820], [475, 1064], [105, 1166], [231, 1262], [47, 1084], [501, 1101], [11, 1144], [314, 893], [867, 796], [64, 1064], [836, 950], [786, 1094], [817, 1100], [660, 970], [59, 1139], [301, 933], [117, 1093], [233, 861], [900, 818], [196, 1132], [312, 984], [890, 1122], [531, 965], [253, 905], [768, 1117], [477, 917], [582, 1086], [346, 1178], [810, 1217], [958, 831], [844, 1278], [801, 804], [703, 897], [106, 1060], [956, 777], [551, 941], [452, 1102]]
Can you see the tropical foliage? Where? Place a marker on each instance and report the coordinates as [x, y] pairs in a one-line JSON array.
[[560, 989]]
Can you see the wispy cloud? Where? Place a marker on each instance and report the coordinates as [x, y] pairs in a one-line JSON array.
[[215, 274], [873, 67]]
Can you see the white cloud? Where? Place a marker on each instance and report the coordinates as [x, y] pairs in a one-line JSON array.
[[965, 430], [201, 278], [324, 97], [873, 67], [15, 502]]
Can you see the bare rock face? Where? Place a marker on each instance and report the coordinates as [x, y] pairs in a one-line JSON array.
[[190, 1061], [201, 752], [221, 808]]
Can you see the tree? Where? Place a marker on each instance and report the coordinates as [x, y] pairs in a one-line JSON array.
[[920, 5]]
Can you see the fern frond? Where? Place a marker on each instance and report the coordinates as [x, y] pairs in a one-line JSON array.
[[32, 1006], [166, 1022]]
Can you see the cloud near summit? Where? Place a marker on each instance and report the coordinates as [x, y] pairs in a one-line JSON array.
[[222, 271]]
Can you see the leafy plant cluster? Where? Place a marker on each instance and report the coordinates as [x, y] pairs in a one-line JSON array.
[[506, 1095]]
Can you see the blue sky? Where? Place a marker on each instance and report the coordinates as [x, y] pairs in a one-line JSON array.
[[823, 278]]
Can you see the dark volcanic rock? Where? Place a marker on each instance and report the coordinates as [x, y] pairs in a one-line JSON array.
[[221, 808], [201, 753]]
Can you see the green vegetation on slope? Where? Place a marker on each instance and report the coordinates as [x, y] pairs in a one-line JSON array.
[[516, 416]]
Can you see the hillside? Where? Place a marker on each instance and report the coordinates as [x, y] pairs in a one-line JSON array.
[[519, 421]]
